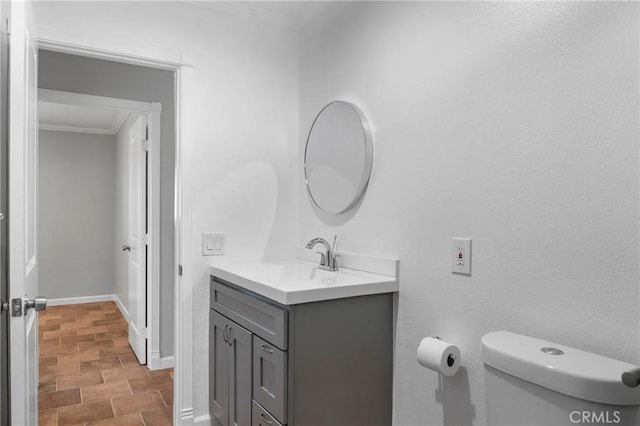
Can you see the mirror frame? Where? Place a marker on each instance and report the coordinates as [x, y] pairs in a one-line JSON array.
[[368, 160]]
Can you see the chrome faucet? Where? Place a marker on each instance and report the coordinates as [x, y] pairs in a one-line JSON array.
[[328, 259]]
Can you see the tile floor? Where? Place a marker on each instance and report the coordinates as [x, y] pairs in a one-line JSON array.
[[89, 374]]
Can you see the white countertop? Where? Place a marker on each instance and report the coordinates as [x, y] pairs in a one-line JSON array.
[[300, 281]]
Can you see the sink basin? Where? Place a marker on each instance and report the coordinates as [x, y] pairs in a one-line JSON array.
[[300, 281], [301, 273]]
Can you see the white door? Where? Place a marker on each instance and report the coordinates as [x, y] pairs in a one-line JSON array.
[[137, 238], [23, 266]]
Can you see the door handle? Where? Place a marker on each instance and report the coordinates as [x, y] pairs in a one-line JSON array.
[[39, 304], [126, 247]]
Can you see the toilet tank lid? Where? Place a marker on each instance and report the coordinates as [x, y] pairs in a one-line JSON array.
[[574, 372]]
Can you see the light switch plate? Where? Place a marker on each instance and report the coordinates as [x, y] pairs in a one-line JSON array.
[[212, 244], [461, 256]]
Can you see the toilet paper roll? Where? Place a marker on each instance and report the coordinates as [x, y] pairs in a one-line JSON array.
[[438, 355]]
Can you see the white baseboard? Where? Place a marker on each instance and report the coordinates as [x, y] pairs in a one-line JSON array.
[[91, 299], [202, 420], [186, 416], [76, 300], [120, 305], [154, 360], [157, 363], [167, 362]]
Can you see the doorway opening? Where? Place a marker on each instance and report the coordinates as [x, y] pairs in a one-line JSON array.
[[88, 75], [99, 172], [99, 209]]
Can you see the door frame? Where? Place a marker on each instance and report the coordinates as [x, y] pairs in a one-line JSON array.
[[152, 269], [164, 58], [5, 405]]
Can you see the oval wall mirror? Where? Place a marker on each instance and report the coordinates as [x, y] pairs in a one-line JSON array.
[[338, 157]]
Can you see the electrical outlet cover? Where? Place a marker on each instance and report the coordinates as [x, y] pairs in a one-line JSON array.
[[461, 256]]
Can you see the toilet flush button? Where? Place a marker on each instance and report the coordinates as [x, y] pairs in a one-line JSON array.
[[552, 351]]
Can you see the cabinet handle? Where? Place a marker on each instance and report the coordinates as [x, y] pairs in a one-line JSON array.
[[229, 338], [224, 334], [266, 349], [263, 418]]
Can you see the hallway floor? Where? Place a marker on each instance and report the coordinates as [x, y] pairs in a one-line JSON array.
[[89, 374]]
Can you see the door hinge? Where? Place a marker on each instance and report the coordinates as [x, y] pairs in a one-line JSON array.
[[179, 270], [146, 239], [4, 306], [143, 333], [7, 27], [145, 145]]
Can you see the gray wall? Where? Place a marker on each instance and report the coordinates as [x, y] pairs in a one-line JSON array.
[[75, 213], [78, 74]]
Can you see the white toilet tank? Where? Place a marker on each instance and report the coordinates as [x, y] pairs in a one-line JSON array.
[[533, 382]]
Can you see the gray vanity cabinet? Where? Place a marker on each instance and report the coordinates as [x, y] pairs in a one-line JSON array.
[[323, 363], [230, 387]]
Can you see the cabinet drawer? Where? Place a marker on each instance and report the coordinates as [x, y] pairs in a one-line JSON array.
[[266, 320], [261, 417], [270, 378]]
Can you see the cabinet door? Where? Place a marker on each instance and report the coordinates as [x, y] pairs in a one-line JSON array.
[[240, 375], [218, 368]]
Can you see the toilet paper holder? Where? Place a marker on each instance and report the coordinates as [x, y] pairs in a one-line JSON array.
[[451, 359]]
